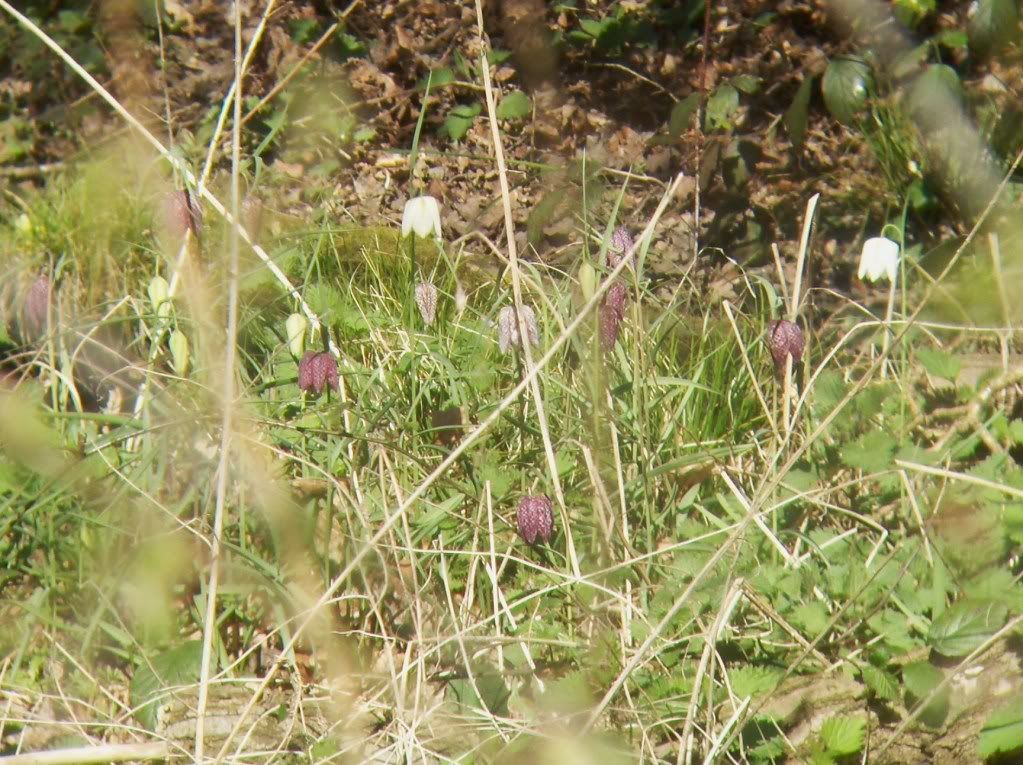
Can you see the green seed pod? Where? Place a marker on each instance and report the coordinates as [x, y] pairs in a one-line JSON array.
[[179, 352]]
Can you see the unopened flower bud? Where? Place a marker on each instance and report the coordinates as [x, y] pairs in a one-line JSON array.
[[535, 519], [296, 327], [587, 280], [159, 296], [179, 353], [621, 241], [36, 309]]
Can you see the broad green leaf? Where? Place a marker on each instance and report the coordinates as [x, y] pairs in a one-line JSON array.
[[993, 25], [1003, 731], [965, 625], [939, 363], [751, 680], [681, 113], [934, 89], [513, 106], [436, 79], [747, 83], [811, 618], [843, 736], [460, 119], [797, 115], [872, 452], [721, 105], [1016, 431], [846, 86], [881, 682], [177, 666], [920, 678]]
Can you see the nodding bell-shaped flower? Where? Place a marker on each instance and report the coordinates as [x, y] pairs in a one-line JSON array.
[[316, 371], [508, 327], [296, 327], [36, 308], [611, 314], [880, 258], [785, 338], [426, 301], [621, 241], [422, 217], [535, 519], [182, 213]]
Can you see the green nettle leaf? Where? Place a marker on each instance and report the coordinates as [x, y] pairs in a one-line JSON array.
[[750, 680], [881, 683], [993, 25], [939, 363], [1003, 732], [797, 115], [721, 106], [514, 106], [811, 618], [843, 735], [178, 666], [872, 452], [847, 84], [681, 113], [965, 625], [920, 678]]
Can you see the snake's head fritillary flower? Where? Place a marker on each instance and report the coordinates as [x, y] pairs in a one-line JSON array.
[[36, 308], [422, 217], [426, 301], [316, 371], [621, 241], [508, 328], [182, 213], [611, 314], [880, 258], [159, 296], [785, 338], [535, 519], [180, 356]]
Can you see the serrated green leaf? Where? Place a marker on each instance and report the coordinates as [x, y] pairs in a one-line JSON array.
[[1003, 731], [798, 113], [811, 618], [514, 106], [846, 86], [177, 666], [460, 119], [880, 682], [751, 680], [721, 105], [965, 625], [872, 452], [843, 736], [939, 363]]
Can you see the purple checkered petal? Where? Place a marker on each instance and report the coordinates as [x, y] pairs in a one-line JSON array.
[[535, 519]]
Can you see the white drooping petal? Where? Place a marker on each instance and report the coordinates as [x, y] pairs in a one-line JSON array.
[[421, 216], [426, 300], [880, 257], [508, 334]]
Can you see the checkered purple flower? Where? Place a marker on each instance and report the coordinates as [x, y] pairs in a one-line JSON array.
[[508, 327], [785, 338], [535, 519], [316, 371], [426, 300], [611, 314], [621, 241], [182, 213]]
